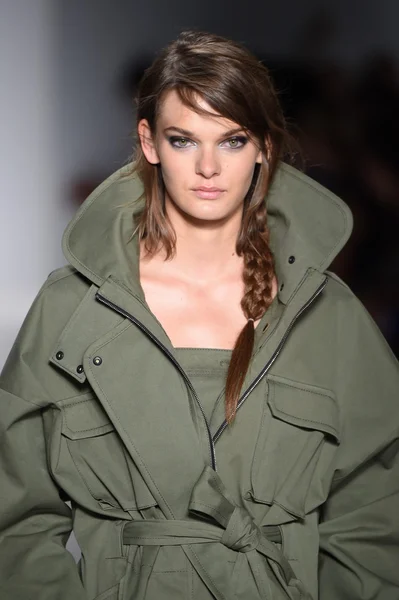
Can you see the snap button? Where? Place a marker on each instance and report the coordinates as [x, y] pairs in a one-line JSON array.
[[97, 360], [291, 259], [59, 355], [79, 369]]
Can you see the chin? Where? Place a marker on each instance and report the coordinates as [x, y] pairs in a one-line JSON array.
[[210, 217]]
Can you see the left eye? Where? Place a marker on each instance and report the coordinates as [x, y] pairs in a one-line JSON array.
[[235, 142]]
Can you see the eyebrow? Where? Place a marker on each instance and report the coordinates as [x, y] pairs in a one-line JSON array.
[[187, 133]]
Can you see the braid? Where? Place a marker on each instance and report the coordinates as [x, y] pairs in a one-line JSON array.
[[258, 271], [258, 274]]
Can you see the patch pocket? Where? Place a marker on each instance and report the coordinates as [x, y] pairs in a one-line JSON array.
[[85, 418], [294, 454], [100, 457]]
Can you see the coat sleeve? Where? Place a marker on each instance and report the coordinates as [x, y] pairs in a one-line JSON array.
[[359, 526], [35, 522]]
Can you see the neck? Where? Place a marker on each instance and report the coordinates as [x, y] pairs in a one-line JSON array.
[[206, 252]]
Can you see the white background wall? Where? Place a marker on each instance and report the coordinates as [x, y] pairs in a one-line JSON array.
[[31, 211]]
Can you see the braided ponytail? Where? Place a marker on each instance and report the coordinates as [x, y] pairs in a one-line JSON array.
[[258, 274]]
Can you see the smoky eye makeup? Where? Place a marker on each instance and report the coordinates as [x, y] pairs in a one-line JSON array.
[[231, 143], [179, 141], [236, 142]]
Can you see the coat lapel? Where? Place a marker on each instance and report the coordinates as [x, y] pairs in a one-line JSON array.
[[149, 404]]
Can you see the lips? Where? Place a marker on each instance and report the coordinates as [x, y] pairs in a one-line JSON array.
[[208, 193]]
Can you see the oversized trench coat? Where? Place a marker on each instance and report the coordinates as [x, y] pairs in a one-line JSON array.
[[298, 499]]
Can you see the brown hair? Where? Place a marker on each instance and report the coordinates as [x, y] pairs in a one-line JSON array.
[[238, 87]]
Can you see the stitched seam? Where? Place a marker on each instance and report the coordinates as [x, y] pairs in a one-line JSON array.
[[167, 572], [80, 473], [85, 397], [302, 388], [257, 570], [337, 279], [282, 533], [304, 420], [48, 285], [298, 287], [98, 428], [207, 574], [79, 402], [260, 438], [76, 314], [67, 369], [235, 520], [178, 348], [51, 444], [215, 372], [100, 191], [113, 337]]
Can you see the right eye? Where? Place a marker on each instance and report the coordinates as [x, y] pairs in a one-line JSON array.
[[180, 142]]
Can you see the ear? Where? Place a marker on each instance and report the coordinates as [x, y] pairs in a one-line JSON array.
[[261, 156], [147, 142], [269, 148]]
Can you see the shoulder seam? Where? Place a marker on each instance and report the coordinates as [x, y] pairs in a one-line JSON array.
[[336, 278], [53, 277]]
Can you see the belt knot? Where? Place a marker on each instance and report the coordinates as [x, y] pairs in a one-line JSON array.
[[210, 497], [241, 533]]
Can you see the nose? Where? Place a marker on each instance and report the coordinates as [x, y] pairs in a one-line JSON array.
[[208, 163]]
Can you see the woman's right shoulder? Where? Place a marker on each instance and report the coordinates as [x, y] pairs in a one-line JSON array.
[[51, 310], [69, 277], [58, 298]]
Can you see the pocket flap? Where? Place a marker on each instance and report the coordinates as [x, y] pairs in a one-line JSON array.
[[303, 405], [294, 455], [85, 417]]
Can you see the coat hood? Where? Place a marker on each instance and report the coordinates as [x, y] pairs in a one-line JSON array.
[[306, 221]]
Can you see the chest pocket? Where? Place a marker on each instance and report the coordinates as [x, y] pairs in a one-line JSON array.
[[97, 452], [294, 455]]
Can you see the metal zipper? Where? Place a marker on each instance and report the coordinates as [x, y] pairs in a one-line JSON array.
[[269, 364], [133, 319]]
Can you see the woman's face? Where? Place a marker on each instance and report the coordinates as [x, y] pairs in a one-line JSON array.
[[207, 162]]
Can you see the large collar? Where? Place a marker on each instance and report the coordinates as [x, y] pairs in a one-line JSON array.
[[306, 221]]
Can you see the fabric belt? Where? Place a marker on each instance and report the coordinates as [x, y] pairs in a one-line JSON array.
[[175, 533], [233, 526]]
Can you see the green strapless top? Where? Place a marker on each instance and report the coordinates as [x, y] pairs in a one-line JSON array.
[[207, 369]]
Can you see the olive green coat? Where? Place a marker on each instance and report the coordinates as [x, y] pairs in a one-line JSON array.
[[298, 499]]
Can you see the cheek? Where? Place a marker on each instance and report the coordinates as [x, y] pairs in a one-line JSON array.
[[170, 164], [174, 172], [241, 172]]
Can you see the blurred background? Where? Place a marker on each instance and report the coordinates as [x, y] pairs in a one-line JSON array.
[[69, 70]]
